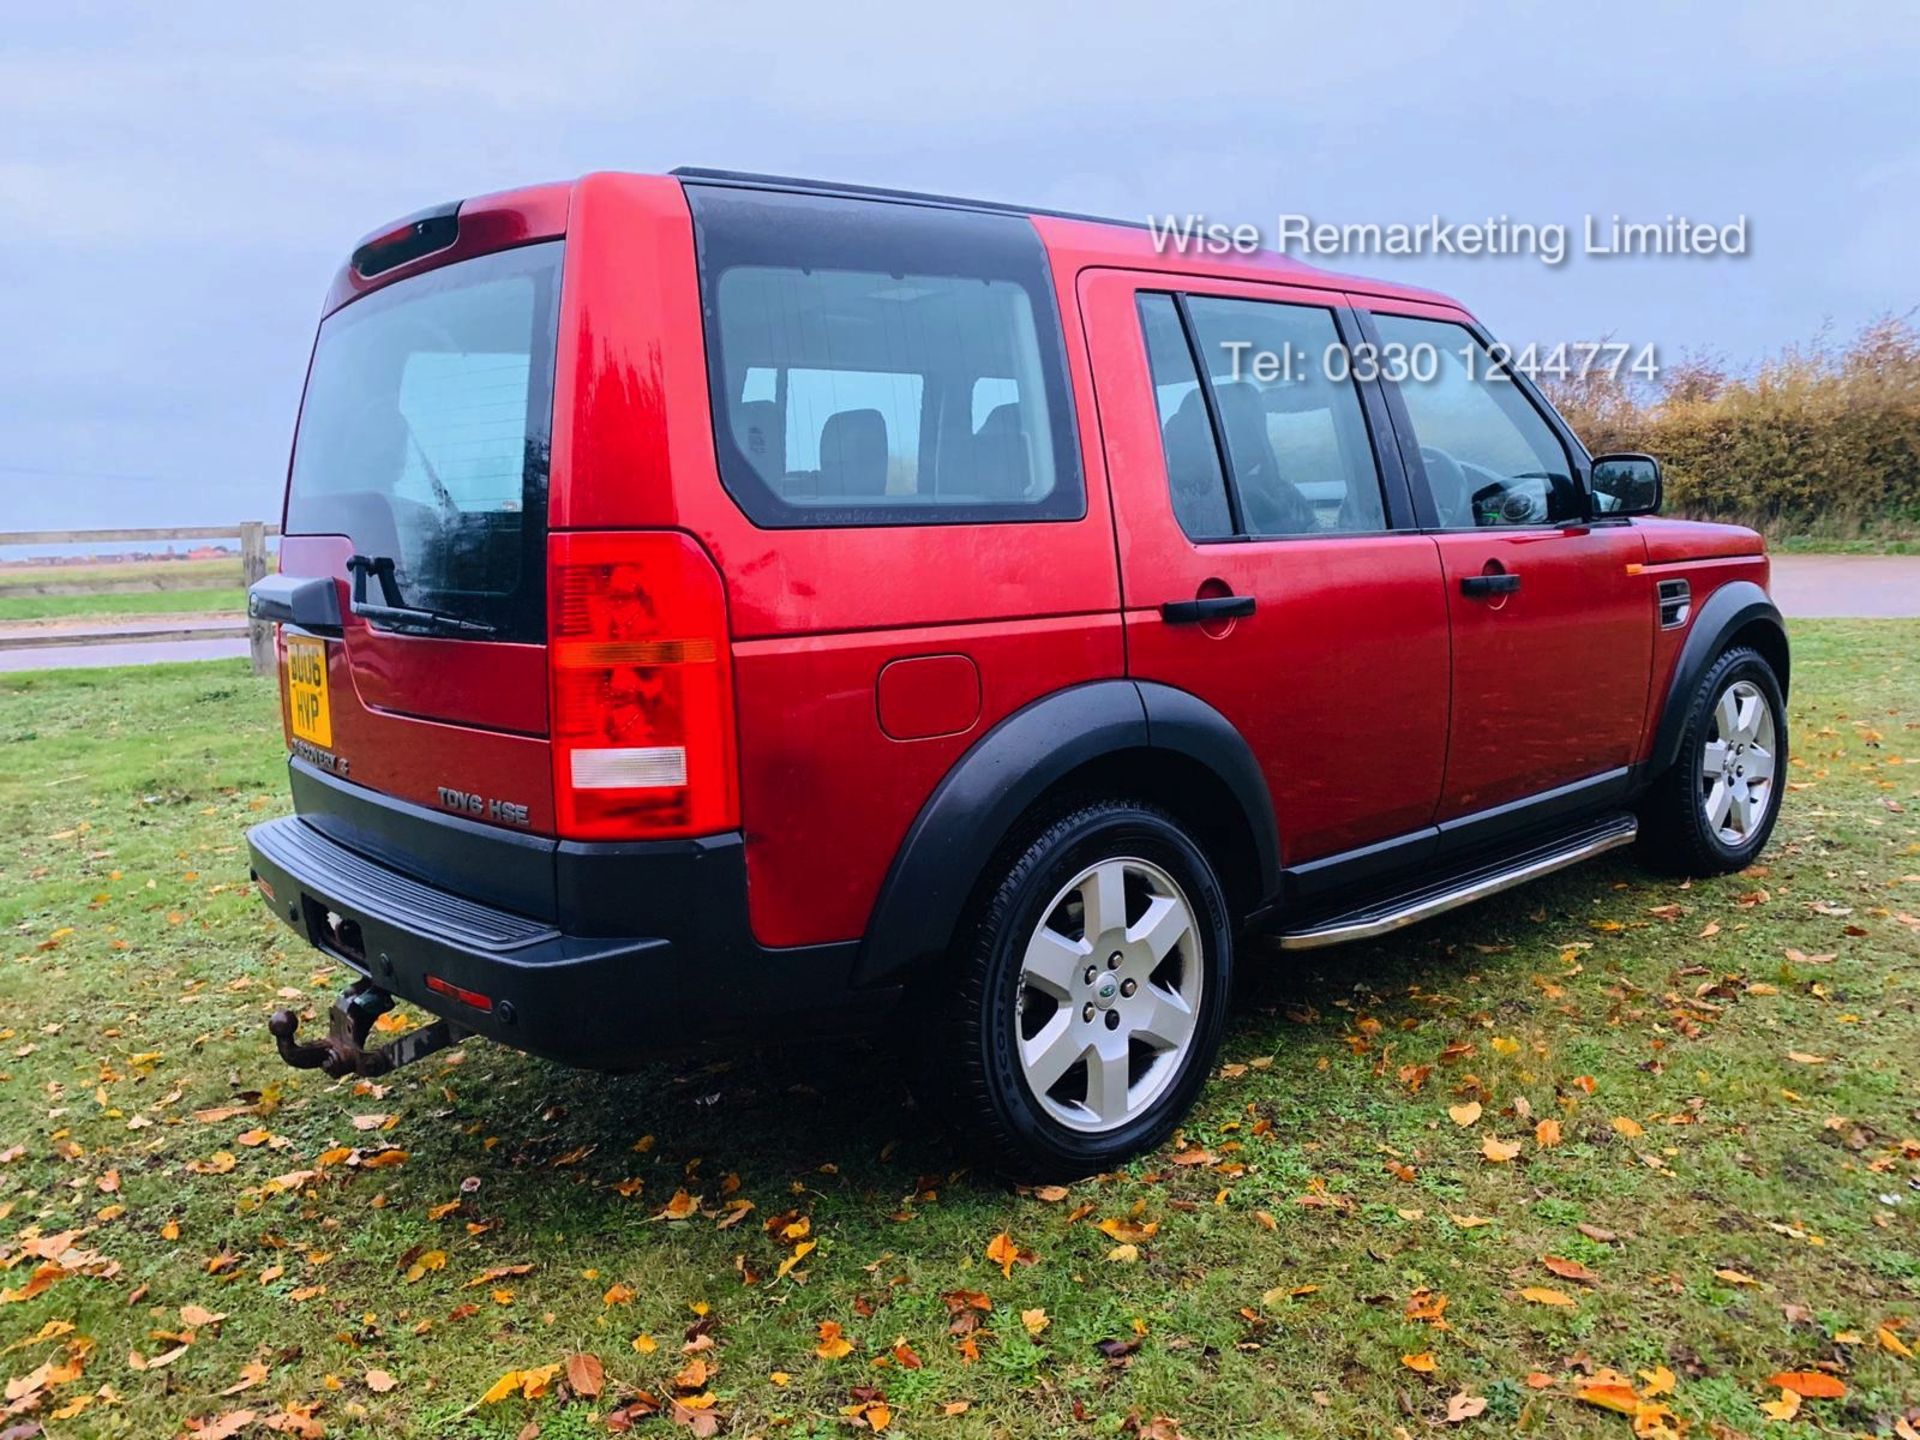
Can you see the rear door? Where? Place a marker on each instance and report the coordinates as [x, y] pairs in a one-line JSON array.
[[423, 449], [1552, 617], [1267, 559]]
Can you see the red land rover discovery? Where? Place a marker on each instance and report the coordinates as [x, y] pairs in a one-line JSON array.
[[714, 601]]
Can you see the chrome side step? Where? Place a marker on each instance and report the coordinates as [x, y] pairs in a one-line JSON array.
[[1397, 912]]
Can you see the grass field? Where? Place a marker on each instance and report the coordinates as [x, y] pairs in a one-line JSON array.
[[231, 600], [16, 579], [1606, 1124], [132, 588], [1902, 542]]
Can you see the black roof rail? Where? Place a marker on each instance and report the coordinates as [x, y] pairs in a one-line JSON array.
[[750, 180]]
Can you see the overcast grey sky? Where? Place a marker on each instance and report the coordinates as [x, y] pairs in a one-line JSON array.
[[179, 182]]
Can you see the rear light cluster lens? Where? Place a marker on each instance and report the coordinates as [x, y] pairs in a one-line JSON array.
[[642, 727]]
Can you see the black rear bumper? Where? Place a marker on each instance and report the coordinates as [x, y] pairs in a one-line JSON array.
[[644, 949]]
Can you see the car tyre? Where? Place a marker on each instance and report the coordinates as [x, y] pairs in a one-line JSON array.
[[1085, 997], [1713, 810]]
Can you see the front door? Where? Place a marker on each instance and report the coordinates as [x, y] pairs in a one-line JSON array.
[[1268, 564], [1551, 614]]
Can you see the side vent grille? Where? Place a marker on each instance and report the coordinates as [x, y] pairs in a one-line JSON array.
[[1676, 603]]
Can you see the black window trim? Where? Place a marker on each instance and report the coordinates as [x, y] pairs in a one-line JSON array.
[[1223, 457], [1382, 438], [1579, 461], [1066, 504]]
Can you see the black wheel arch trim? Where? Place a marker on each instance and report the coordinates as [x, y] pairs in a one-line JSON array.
[[1182, 723], [1003, 773], [1732, 608]]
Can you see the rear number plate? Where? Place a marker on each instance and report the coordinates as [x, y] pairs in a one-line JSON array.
[[307, 707]]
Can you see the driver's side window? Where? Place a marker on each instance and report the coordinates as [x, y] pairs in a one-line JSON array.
[[1489, 456]]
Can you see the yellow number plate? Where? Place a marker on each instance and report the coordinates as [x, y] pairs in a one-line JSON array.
[[307, 704]]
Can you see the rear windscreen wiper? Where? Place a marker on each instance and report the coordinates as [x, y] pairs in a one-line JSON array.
[[392, 612]]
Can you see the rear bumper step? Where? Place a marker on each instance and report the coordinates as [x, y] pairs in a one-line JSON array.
[[1449, 892], [366, 887], [649, 953], [517, 980]]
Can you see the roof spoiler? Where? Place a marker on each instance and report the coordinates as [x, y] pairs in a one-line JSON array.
[[419, 234]]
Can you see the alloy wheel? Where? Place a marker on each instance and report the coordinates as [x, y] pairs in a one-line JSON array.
[[1109, 995], [1737, 764]]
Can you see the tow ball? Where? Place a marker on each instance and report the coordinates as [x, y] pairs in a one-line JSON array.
[[349, 1021]]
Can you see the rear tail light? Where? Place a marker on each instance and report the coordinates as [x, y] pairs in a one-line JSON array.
[[642, 722]]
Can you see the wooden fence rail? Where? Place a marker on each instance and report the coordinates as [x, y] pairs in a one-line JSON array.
[[172, 532], [252, 535]]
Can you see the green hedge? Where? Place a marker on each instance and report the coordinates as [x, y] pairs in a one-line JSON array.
[[1821, 440]]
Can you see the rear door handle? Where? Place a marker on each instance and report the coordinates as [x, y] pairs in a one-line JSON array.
[[1502, 584], [1213, 607]]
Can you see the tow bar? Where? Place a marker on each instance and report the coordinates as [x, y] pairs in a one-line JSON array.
[[349, 1021]]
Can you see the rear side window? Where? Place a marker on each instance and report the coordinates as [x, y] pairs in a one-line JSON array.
[[1296, 436], [882, 364], [424, 435], [1194, 476], [1300, 455]]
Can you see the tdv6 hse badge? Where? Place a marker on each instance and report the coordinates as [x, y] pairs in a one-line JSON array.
[[501, 812]]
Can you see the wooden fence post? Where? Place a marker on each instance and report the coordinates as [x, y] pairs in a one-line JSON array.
[[253, 566]]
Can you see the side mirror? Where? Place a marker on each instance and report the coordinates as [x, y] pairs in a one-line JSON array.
[[1627, 484]]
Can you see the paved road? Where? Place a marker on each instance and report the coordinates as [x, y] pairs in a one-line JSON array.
[[187, 620], [43, 656], [1847, 587], [1808, 587], [73, 657]]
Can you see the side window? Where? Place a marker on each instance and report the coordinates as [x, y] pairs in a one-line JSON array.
[[827, 413], [1193, 461], [882, 364], [1490, 457], [990, 392], [856, 357], [1297, 438]]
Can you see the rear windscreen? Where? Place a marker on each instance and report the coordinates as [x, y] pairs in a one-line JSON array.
[[425, 430]]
